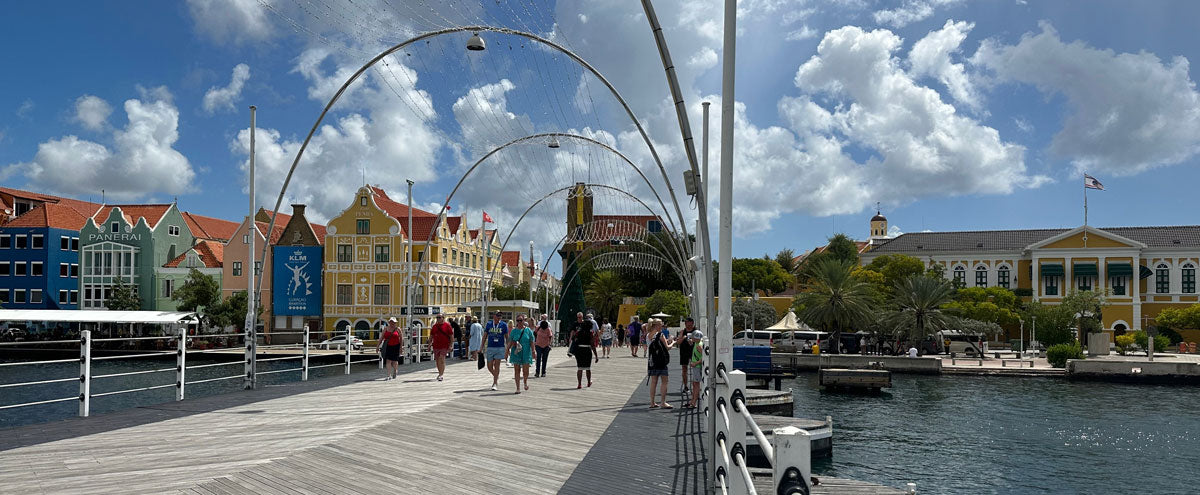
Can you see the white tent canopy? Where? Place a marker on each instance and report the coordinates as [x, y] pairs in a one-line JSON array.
[[97, 316], [789, 322]]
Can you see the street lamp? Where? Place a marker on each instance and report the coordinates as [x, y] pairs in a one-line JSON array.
[[553, 144], [476, 44]]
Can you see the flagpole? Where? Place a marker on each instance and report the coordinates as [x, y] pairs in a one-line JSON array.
[[1085, 188]]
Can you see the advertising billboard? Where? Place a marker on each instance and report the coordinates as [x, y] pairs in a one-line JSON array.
[[297, 287]]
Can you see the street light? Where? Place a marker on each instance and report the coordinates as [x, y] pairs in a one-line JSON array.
[[553, 144], [476, 44]]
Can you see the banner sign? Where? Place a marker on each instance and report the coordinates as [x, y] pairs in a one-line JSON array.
[[296, 290]]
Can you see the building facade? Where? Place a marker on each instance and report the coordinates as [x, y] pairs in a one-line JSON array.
[[39, 259], [132, 243]]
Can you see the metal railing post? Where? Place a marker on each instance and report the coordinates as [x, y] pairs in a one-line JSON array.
[[736, 442], [181, 362], [304, 361], [251, 380], [792, 466], [85, 373], [349, 342]]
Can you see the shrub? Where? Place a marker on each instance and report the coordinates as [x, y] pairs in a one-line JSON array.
[[1161, 342], [1059, 354], [1124, 343]]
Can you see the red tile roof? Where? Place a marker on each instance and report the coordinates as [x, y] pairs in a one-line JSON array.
[[453, 223], [394, 209], [422, 228], [284, 218], [85, 208], [510, 258], [275, 233], [623, 225], [50, 215], [211, 253], [152, 213], [491, 233], [203, 227]]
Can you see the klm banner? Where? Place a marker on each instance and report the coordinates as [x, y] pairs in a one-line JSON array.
[[297, 287]]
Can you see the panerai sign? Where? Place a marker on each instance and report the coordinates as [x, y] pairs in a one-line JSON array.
[[114, 237]]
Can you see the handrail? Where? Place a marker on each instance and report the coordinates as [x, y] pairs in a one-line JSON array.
[[278, 371], [39, 342], [58, 380], [122, 339], [239, 350], [52, 361], [142, 389], [198, 366], [131, 356], [741, 464], [160, 370], [214, 379], [721, 479], [326, 366], [280, 358], [39, 402], [739, 405]]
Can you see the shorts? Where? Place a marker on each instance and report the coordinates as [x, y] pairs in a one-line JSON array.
[[658, 372], [441, 351], [606, 342], [696, 373], [494, 354]]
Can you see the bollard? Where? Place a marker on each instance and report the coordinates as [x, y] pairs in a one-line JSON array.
[[181, 363], [85, 372], [792, 466], [912, 488]]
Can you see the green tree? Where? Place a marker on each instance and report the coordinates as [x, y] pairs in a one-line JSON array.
[[992, 304], [122, 297], [1087, 309], [506, 293], [880, 288], [605, 293], [762, 274], [786, 258], [842, 247], [756, 313], [918, 301], [198, 290], [834, 300], [1180, 318], [896, 267], [231, 311], [670, 302], [1052, 323]]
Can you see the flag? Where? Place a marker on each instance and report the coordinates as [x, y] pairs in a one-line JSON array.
[[1090, 182], [488, 218]]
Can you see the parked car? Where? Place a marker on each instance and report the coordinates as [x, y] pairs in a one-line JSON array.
[[800, 341], [339, 343], [756, 337], [13, 335]]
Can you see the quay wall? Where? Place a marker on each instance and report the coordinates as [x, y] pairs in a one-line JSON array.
[[897, 364], [1134, 371]]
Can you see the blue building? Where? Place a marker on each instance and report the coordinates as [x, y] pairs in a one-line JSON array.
[[39, 258]]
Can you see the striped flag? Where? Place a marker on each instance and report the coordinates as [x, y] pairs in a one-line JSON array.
[[488, 218], [1090, 182]]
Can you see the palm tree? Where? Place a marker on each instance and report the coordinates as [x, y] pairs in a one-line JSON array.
[[605, 293], [835, 300], [918, 300]]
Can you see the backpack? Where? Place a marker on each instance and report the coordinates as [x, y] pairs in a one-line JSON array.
[[659, 357]]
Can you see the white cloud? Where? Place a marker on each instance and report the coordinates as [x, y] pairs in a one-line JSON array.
[[894, 231], [223, 98], [1128, 112], [910, 11], [1023, 125], [801, 34], [25, 108], [140, 162], [231, 21], [930, 56], [92, 112]]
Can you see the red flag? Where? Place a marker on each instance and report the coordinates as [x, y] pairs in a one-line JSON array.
[[487, 218]]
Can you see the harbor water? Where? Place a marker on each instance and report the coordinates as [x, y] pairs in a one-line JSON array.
[[976, 435]]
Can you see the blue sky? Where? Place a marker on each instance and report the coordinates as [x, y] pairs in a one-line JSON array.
[[955, 115]]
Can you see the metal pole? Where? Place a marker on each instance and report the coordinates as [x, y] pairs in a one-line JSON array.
[[349, 337], [531, 271], [304, 359], [181, 362], [251, 339], [411, 284], [85, 372], [722, 350]]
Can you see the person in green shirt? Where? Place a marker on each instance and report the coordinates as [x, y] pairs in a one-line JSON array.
[[520, 351], [696, 365]]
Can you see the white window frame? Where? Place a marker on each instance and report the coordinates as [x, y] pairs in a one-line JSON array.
[[35, 296], [35, 239]]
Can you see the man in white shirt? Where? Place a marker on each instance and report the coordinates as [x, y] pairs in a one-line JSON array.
[[912, 352]]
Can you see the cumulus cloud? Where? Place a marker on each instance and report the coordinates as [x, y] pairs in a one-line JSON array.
[[92, 112], [223, 98], [910, 11], [140, 161], [930, 56], [1127, 112], [230, 21]]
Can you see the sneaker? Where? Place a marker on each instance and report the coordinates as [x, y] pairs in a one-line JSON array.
[[493, 386], [439, 378]]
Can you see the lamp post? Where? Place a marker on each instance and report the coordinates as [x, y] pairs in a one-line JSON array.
[[408, 294]]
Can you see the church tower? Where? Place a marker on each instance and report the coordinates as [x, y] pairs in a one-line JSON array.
[[879, 228]]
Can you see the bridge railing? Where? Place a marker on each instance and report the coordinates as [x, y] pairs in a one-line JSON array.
[[180, 341], [788, 451]]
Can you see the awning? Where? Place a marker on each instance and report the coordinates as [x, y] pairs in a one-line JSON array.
[[1052, 269], [96, 316], [1144, 272], [1084, 270], [1120, 269]]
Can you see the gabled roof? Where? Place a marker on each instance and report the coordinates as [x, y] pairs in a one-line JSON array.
[[275, 232], [284, 218], [394, 209], [491, 234], [510, 258], [422, 228], [211, 253], [52, 215], [1018, 240], [1109, 235], [152, 213], [203, 227], [452, 223], [85, 208]]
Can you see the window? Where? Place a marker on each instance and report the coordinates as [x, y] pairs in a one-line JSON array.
[[21, 241], [1162, 279], [35, 296], [173, 230], [981, 277], [1118, 285], [114, 227], [5, 268], [474, 261], [382, 291], [4, 296], [257, 268], [421, 256], [1051, 285], [20, 268], [1085, 282], [64, 243], [168, 287], [36, 269], [19, 296], [63, 296], [1189, 278], [454, 256], [345, 253], [444, 256], [245, 238], [5, 241], [37, 241], [74, 243], [74, 297], [1002, 277], [75, 268], [383, 253], [362, 226], [654, 226], [960, 275], [237, 268], [362, 201], [345, 294], [64, 269]]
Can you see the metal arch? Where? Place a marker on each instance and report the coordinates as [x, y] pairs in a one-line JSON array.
[[682, 224], [564, 238], [303, 146], [566, 283], [678, 269], [674, 263]]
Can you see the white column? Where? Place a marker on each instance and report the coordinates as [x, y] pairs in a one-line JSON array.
[[1102, 271], [1036, 282], [1135, 280]]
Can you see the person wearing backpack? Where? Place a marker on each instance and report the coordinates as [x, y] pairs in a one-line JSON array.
[[659, 352]]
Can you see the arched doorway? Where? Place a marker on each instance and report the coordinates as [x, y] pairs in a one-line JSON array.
[[362, 329], [1119, 329]]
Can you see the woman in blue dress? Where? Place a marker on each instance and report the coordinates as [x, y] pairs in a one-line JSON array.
[[520, 352]]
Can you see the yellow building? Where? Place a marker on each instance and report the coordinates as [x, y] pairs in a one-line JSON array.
[[1144, 269], [368, 254]]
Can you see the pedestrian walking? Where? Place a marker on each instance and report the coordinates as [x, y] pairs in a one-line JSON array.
[[659, 351], [543, 338], [684, 342], [635, 335], [606, 338], [458, 336], [476, 338], [497, 336], [440, 340], [389, 348], [583, 341], [696, 366], [620, 335], [520, 352]]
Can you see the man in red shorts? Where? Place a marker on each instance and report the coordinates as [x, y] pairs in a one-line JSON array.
[[440, 336]]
